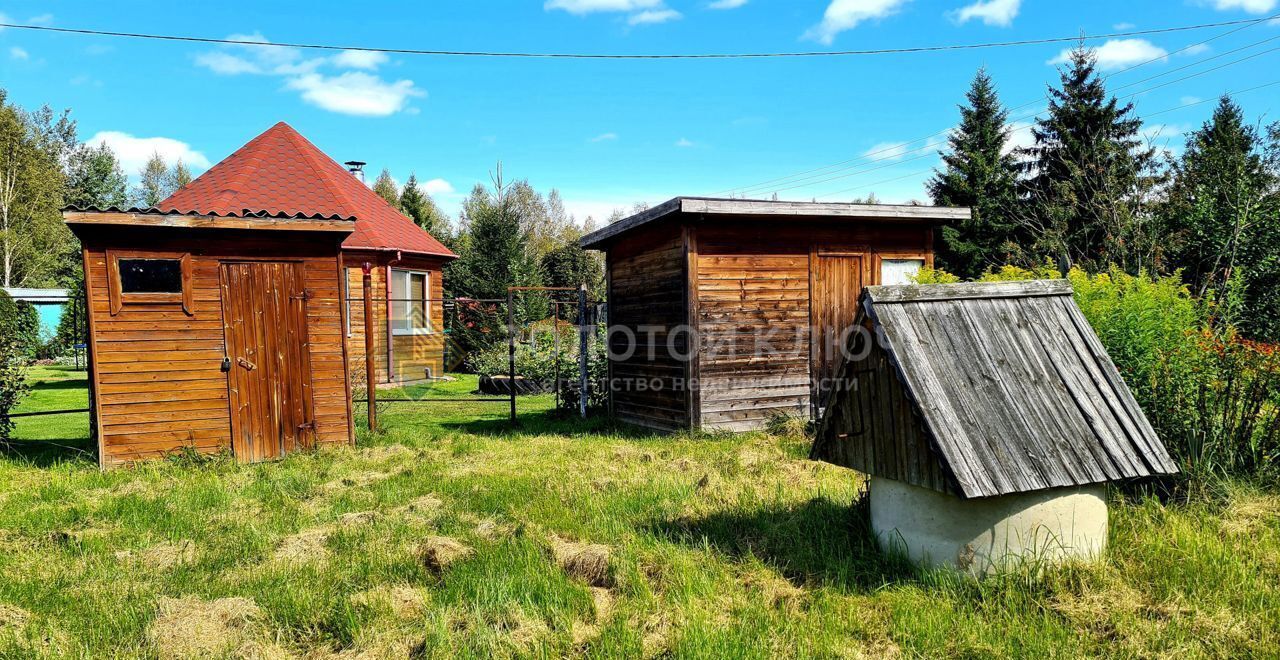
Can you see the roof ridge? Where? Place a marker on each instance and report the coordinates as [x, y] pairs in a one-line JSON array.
[[310, 152]]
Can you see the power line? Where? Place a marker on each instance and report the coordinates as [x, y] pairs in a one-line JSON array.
[[1150, 114], [898, 157], [627, 56], [894, 152]]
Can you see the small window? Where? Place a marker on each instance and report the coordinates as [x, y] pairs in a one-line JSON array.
[[410, 306], [150, 275], [900, 271], [149, 278]]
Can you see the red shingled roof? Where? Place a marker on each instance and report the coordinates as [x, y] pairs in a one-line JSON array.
[[280, 173]]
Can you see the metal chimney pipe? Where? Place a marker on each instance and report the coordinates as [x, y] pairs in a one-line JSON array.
[[356, 167]]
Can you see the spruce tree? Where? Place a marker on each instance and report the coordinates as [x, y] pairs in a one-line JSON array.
[[386, 188], [151, 182], [177, 177], [417, 204], [1087, 177], [980, 173], [1222, 206]]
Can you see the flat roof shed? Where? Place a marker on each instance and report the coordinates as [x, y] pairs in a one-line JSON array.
[[724, 313]]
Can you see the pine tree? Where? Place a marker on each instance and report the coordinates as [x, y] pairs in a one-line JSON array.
[[1088, 177], [95, 179], [386, 188], [1222, 205], [417, 204], [151, 182], [980, 173]]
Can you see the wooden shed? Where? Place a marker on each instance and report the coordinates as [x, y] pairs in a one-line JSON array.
[[988, 416], [282, 169], [214, 331], [724, 312]]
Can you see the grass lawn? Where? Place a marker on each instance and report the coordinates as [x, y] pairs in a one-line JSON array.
[[451, 534]]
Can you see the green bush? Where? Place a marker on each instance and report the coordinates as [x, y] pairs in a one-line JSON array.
[[536, 360], [1213, 398], [13, 381], [20, 321]]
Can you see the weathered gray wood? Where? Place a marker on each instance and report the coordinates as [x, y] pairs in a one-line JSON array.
[[1013, 390], [899, 293]]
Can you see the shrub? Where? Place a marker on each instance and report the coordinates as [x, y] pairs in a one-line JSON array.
[[20, 321], [13, 381], [536, 360], [1213, 397]]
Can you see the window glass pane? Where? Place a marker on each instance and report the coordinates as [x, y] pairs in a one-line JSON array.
[[899, 271], [150, 275], [398, 289]]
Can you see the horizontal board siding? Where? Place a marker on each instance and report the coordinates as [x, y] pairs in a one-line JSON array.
[[157, 369], [753, 329], [647, 288]]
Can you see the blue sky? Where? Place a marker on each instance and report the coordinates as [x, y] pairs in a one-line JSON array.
[[609, 133]]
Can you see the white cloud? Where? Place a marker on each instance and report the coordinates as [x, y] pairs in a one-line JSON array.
[[1250, 6], [19, 54], [581, 7], [359, 93], [436, 187], [40, 19], [844, 15], [1196, 49], [727, 4], [605, 137], [890, 151], [685, 143], [991, 12], [1020, 137], [1121, 27], [1190, 100], [1119, 53], [355, 93], [133, 152], [653, 17], [360, 59], [1166, 139]]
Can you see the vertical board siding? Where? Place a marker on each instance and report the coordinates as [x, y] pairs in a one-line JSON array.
[[648, 288], [159, 369]]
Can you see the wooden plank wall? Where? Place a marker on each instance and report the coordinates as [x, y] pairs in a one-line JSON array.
[[157, 372], [753, 276], [410, 355], [872, 426], [647, 287]]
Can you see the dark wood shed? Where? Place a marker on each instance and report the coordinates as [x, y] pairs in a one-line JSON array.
[[724, 312], [214, 332]]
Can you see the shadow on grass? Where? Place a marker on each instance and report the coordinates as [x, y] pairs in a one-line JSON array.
[[546, 422], [49, 452], [818, 543]]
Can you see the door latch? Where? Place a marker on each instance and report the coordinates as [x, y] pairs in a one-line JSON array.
[[247, 365]]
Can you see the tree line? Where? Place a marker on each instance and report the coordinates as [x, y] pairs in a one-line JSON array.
[[1091, 192]]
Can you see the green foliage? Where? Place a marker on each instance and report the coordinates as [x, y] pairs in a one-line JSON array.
[[571, 266], [17, 338], [95, 179], [417, 204], [981, 174], [153, 182], [1224, 210], [73, 325], [177, 177], [1087, 177], [536, 360], [20, 322], [386, 188]]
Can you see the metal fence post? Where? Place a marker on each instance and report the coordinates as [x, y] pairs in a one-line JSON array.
[[511, 350], [370, 376], [584, 374]]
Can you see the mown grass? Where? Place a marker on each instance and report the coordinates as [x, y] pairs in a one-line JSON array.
[[719, 546]]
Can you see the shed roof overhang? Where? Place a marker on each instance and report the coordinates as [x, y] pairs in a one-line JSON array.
[[154, 218], [710, 207]]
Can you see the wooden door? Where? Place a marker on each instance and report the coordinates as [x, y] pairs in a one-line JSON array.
[[264, 315], [837, 283]]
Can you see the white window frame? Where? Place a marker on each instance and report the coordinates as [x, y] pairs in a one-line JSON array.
[[885, 258], [426, 301]]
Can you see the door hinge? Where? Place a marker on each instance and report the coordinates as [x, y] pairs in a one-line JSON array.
[[304, 296]]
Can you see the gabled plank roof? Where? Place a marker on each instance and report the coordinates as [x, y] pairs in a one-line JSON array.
[[1012, 387], [706, 207]]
